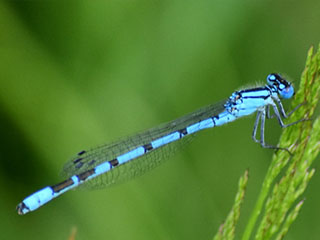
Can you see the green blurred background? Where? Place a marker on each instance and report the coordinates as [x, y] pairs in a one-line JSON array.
[[76, 74]]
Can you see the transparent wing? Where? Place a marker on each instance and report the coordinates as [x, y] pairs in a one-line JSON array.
[[91, 158]]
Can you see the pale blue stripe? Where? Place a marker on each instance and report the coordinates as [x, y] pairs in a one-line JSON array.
[[208, 123], [131, 155], [39, 198], [165, 140], [102, 168], [224, 118]]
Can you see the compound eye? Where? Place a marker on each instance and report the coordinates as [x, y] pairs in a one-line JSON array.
[[287, 92]]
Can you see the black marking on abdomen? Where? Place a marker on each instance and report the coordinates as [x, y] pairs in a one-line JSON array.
[[114, 162], [213, 120], [60, 186], [182, 132], [147, 147], [20, 207], [83, 176]]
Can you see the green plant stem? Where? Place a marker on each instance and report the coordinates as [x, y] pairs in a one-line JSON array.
[[303, 142]]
